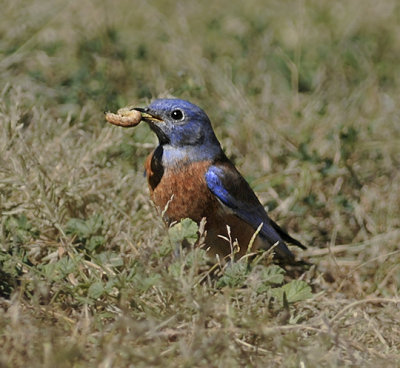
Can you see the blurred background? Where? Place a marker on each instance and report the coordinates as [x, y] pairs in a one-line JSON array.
[[303, 95]]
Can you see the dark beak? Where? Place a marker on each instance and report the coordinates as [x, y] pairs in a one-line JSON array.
[[141, 109], [147, 115]]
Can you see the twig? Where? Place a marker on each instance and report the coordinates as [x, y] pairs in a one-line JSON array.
[[364, 301]]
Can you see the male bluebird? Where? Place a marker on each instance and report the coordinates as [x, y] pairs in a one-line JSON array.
[[189, 176]]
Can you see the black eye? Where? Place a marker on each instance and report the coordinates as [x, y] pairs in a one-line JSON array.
[[177, 114]]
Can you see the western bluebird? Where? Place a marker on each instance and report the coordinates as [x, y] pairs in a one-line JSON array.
[[189, 176]]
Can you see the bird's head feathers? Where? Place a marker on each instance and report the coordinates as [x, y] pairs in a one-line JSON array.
[[182, 127]]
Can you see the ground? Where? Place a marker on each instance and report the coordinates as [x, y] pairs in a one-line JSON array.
[[304, 97]]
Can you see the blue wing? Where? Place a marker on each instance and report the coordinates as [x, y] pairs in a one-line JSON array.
[[228, 185]]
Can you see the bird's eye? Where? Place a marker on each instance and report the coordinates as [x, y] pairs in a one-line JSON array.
[[177, 114]]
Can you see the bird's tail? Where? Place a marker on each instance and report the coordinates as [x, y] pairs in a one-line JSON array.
[[286, 237]]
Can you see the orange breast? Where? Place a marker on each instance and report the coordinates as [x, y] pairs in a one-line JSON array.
[[183, 193], [184, 190]]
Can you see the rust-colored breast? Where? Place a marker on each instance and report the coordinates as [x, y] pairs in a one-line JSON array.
[[184, 193], [184, 190]]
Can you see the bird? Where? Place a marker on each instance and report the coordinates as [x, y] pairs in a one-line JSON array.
[[190, 176]]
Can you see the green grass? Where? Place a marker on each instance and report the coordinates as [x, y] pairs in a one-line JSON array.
[[304, 96]]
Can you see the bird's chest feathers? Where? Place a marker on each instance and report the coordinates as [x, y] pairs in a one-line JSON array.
[[179, 186]]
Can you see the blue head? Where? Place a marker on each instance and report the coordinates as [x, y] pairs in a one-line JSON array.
[[181, 126]]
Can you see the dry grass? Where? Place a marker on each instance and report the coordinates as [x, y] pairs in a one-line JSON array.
[[304, 97]]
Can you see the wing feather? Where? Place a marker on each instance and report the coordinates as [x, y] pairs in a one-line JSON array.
[[229, 186]]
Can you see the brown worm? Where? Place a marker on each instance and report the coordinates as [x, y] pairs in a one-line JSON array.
[[124, 117]]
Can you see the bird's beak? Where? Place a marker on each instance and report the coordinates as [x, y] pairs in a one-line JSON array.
[[147, 116]]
